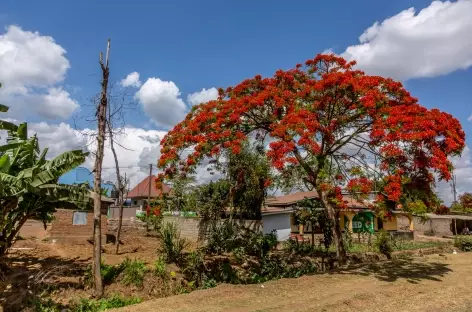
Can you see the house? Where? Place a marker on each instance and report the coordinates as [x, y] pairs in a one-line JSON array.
[[81, 175], [72, 225], [146, 189], [278, 214]]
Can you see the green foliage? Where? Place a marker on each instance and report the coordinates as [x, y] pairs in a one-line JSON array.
[[108, 272], [383, 243], [172, 245], [463, 242], [28, 182], [45, 305], [347, 239], [152, 221], [133, 272], [212, 198], [228, 236], [302, 248], [195, 267], [248, 172], [113, 302], [160, 268], [222, 237]]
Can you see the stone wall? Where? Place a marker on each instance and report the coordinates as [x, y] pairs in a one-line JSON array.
[[190, 228]]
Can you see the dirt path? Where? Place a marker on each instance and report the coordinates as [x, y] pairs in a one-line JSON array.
[[432, 283]]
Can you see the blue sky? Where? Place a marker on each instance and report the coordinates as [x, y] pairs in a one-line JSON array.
[[185, 46]]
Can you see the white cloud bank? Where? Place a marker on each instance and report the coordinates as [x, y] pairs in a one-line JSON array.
[[470, 118], [162, 102], [202, 96], [435, 41], [132, 80], [31, 67]]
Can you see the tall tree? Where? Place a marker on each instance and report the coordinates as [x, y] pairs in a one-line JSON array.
[[329, 122], [101, 128]]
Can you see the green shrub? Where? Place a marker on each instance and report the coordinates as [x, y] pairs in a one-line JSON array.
[[109, 273], [172, 245], [383, 243], [222, 237], [133, 272], [160, 268], [302, 248], [195, 267], [463, 242], [115, 301], [45, 305], [259, 244]]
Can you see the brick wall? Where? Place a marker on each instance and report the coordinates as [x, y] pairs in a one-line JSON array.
[[61, 228]]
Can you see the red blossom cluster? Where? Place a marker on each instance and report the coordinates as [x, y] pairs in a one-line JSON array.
[[313, 111]]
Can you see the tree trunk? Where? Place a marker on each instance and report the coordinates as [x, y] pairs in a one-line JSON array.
[[336, 229], [97, 198], [118, 181], [8, 240]]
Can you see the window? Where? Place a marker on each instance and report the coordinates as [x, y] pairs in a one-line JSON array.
[[79, 218]]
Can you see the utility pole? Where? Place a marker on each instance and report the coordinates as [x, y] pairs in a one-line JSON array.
[[454, 191], [149, 187]]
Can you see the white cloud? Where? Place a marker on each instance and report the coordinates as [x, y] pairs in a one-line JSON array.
[[162, 102], [463, 173], [136, 148], [202, 96], [132, 80], [31, 66], [470, 118], [434, 42]]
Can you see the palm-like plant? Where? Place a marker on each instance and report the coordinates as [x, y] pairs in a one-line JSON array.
[[28, 182]]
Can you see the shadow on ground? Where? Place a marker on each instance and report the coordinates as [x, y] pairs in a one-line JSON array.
[[25, 278], [390, 271]]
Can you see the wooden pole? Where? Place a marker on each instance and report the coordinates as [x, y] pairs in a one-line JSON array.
[[149, 187]]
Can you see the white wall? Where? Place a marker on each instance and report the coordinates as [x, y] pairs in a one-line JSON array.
[[278, 222]]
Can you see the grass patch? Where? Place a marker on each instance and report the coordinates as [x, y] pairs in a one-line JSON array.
[[114, 301]]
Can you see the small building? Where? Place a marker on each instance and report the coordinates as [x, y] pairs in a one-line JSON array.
[[72, 225], [358, 218], [146, 189], [278, 219], [81, 175]]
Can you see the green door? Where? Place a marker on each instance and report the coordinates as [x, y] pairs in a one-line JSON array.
[[363, 222]]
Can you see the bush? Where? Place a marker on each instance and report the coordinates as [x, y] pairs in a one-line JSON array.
[[160, 268], [133, 272], [221, 237], [152, 221], [109, 273], [115, 301], [259, 244], [172, 245], [463, 242], [383, 243], [302, 248], [195, 267]]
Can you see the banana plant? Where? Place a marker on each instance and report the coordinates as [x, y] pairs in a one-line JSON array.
[[29, 182]]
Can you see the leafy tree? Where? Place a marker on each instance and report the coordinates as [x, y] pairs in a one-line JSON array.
[[248, 173], [213, 198], [313, 213], [465, 201], [334, 126], [28, 182]]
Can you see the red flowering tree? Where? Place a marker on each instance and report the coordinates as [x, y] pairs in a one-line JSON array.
[[328, 123]]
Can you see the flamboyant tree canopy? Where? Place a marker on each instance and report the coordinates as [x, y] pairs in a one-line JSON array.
[[338, 126]]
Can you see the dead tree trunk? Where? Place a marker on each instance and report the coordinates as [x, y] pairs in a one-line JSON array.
[[101, 125], [118, 181]]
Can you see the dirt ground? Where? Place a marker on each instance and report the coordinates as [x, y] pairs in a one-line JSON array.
[[430, 283], [35, 262]]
